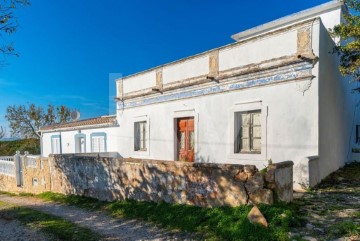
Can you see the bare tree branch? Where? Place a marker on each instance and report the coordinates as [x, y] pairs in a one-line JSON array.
[[8, 23], [25, 121]]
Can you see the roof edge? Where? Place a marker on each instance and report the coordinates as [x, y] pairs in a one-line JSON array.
[[84, 127], [288, 20], [64, 125]]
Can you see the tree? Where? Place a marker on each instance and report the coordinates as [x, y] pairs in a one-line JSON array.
[[8, 23], [24, 121], [2, 132], [348, 46]]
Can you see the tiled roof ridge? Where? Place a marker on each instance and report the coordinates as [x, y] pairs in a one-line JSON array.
[[86, 122]]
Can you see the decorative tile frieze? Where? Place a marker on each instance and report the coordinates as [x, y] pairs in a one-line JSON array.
[[289, 73]]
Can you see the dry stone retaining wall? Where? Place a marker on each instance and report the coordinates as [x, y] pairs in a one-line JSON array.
[[109, 178], [200, 184]]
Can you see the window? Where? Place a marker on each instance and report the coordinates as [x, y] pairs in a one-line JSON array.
[[140, 136], [98, 142], [80, 143], [247, 132], [55, 144]]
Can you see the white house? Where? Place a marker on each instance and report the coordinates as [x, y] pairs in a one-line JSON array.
[[275, 93], [84, 136]]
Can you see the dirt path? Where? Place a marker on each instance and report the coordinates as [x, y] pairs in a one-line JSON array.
[[332, 210], [13, 230], [110, 228]]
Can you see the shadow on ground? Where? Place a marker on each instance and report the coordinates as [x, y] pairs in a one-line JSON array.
[[331, 211]]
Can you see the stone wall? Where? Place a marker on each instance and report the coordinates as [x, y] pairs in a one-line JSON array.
[[200, 184], [35, 178]]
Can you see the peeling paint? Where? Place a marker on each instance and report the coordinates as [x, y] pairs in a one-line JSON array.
[[294, 72]]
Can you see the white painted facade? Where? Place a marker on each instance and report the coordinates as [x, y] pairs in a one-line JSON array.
[[84, 137], [282, 68]]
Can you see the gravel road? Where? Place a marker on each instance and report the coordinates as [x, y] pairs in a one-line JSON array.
[[110, 228], [12, 230]]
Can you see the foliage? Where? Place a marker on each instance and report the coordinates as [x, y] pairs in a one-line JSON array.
[[348, 46], [2, 132], [9, 148], [220, 223], [55, 227], [24, 121], [8, 23]]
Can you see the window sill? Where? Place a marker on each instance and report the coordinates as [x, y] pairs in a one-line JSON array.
[[141, 150], [248, 152], [140, 153], [254, 156]]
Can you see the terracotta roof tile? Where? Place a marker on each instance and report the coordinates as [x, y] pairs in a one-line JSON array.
[[103, 120]]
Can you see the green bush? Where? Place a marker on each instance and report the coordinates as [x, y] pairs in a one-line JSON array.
[[9, 148]]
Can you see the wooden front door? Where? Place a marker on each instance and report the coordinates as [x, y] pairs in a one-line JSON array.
[[185, 139]]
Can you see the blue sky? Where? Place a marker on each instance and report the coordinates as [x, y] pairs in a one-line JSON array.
[[70, 51]]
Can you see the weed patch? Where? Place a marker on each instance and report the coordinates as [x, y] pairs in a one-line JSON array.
[[54, 227], [219, 223]]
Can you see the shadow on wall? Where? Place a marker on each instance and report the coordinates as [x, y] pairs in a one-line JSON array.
[[201, 184], [307, 173]]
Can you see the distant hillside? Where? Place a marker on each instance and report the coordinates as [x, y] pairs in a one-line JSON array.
[[9, 148]]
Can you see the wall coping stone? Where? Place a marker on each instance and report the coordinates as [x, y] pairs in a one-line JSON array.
[[281, 164]]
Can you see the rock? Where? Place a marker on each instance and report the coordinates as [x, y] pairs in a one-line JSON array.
[[250, 169], [340, 179], [241, 176], [262, 196], [270, 175], [320, 230], [255, 216], [309, 226], [309, 238], [254, 183]]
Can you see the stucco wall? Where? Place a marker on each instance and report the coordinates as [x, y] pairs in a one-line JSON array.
[[337, 117], [288, 103], [289, 125], [177, 182], [229, 57]]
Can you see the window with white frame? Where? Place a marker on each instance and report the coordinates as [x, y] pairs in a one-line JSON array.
[[247, 132], [56, 144], [98, 142], [80, 143], [140, 143]]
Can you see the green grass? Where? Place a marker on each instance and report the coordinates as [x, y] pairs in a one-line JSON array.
[[221, 223], [348, 228], [8, 193], [54, 227], [344, 228]]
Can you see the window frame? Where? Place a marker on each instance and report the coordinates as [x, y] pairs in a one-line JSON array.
[[145, 151], [142, 145], [52, 146], [97, 134], [250, 129], [249, 106], [79, 135]]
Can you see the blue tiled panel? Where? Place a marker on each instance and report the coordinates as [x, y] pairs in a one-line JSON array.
[[283, 74]]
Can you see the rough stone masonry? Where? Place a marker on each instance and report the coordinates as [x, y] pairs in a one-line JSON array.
[[200, 184]]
